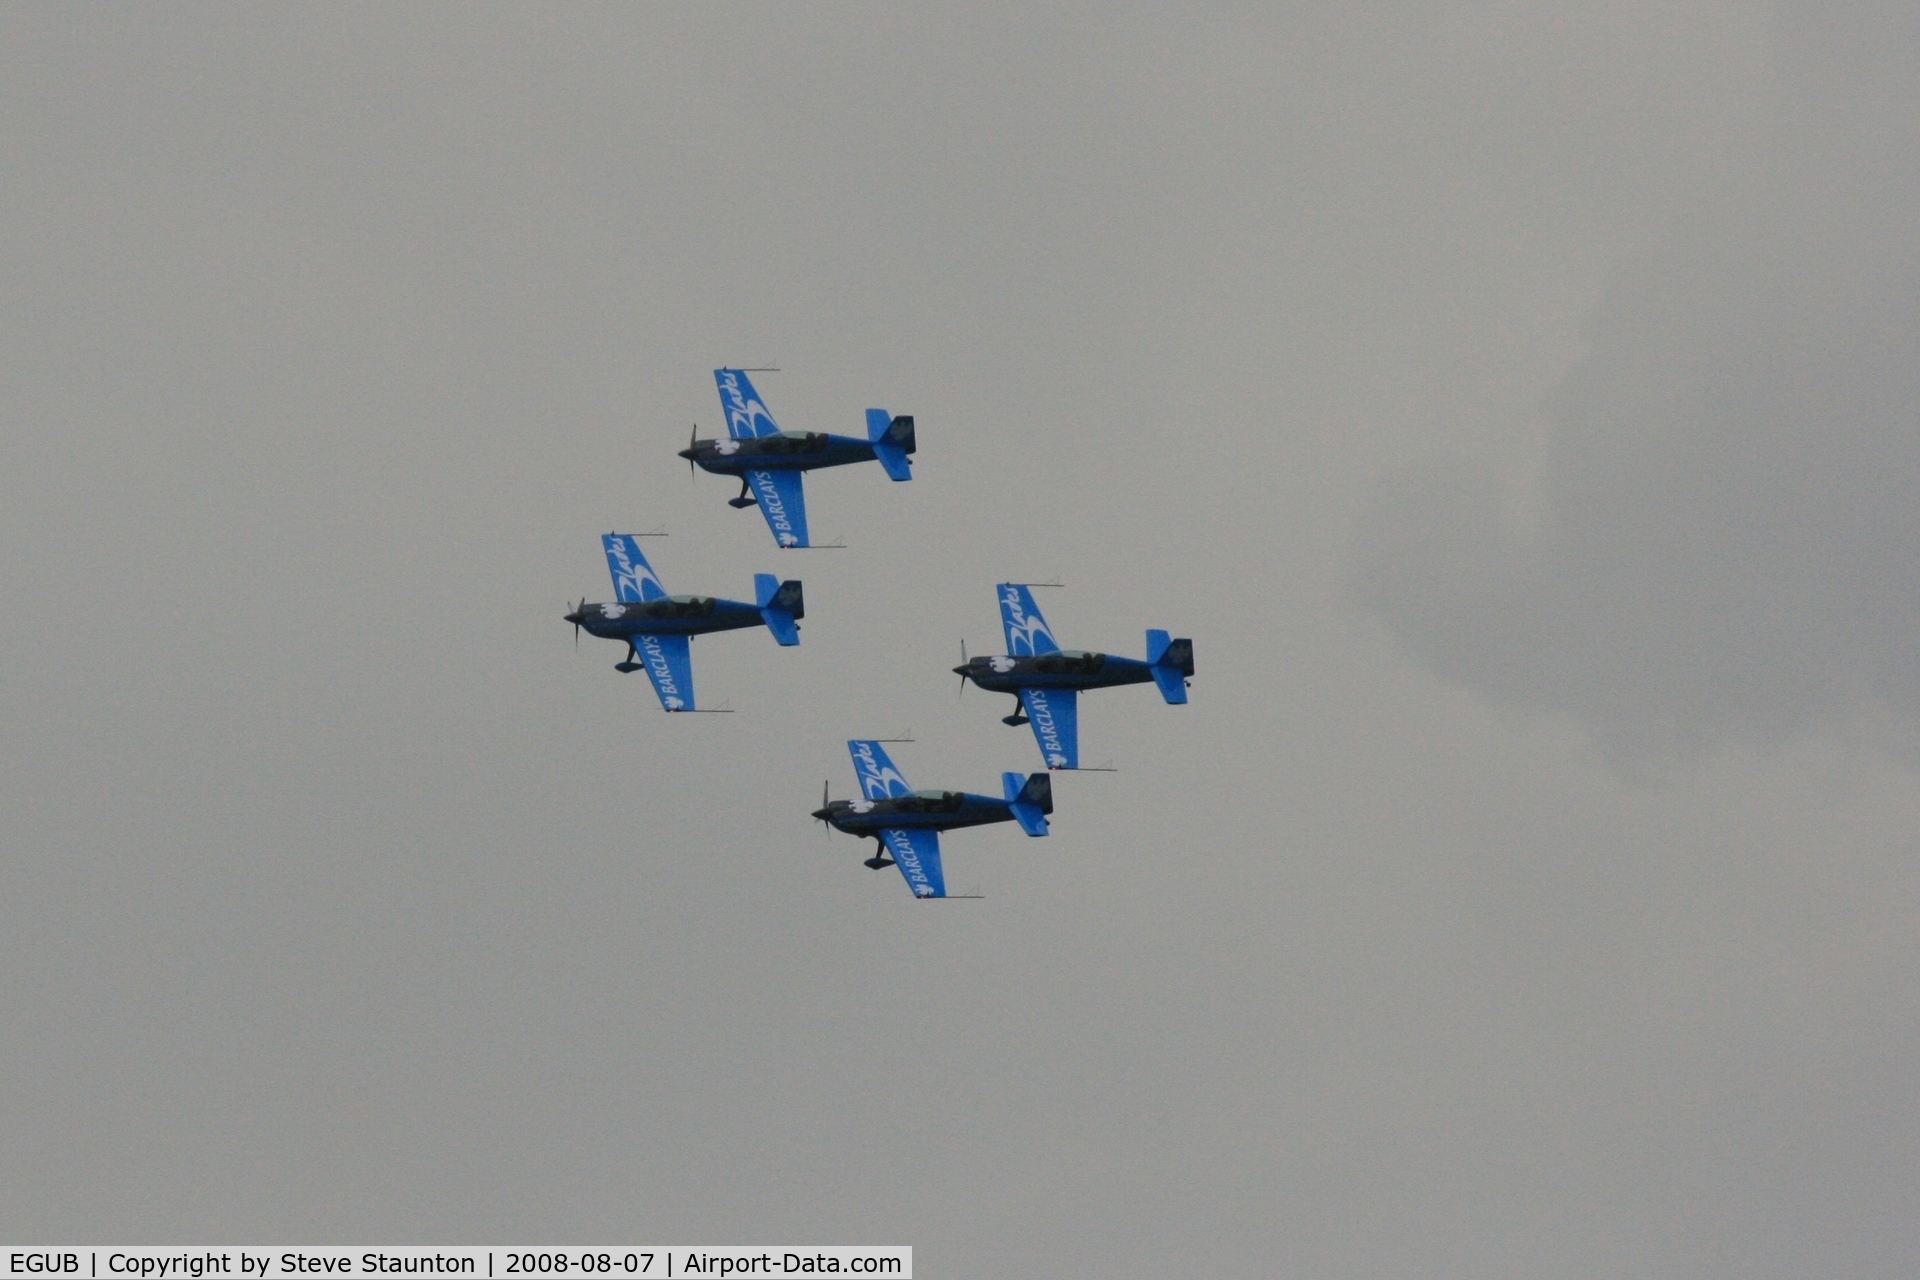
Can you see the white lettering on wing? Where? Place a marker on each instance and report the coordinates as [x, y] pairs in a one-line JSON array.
[[662, 672], [908, 858], [1042, 716], [1020, 628], [626, 576], [776, 510], [743, 415], [875, 780]]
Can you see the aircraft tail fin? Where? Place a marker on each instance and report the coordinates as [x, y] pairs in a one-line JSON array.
[[1171, 662], [892, 439], [1030, 798], [781, 605]]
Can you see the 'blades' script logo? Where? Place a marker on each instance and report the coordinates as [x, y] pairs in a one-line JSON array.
[[1022, 629], [875, 779], [631, 580], [743, 415]]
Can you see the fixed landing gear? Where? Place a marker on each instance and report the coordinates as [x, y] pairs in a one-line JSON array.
[[746, 498], [1019, 716], [629, 666], [879, 858]]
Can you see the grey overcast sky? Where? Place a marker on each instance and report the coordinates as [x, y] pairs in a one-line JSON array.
[[1516, 402]]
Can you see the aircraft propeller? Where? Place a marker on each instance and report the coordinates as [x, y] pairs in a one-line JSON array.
[[693, 438], [573, 615], [826, 807], [961, 670]]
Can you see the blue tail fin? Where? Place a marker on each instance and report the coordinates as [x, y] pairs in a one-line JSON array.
[[780, 604], [1027, 631], [1171, 662], [1030, 798], [892, 441]]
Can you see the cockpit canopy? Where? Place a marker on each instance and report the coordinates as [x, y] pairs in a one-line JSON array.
[[677, 607], [1069, 662], [928, 802], [793, 442]]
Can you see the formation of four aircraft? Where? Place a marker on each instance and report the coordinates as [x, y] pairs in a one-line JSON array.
[[1045, 679]]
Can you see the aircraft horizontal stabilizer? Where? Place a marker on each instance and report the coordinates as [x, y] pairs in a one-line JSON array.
[[1031, 799]]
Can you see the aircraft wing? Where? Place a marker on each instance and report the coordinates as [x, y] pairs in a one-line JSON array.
[[916, 851], [782, 503], [1055, 714], [747, 418], [669, 664], [633, 578], [879, 780], [1027, 632]]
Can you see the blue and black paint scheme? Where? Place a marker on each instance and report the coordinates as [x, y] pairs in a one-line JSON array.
[[1048, 680], [908, 823], [658, 628], [769, 461]]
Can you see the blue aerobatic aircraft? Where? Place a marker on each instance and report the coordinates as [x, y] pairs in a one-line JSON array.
[[769, 461], [658, 628], [1048, 679], [908, 823]]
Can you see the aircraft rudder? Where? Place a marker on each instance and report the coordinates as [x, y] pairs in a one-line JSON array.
[[1038, 790], [790, 598]]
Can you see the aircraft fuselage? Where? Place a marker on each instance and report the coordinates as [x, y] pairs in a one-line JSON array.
[[787, 451], [674, 615], [1066, 669], [938, 810]]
